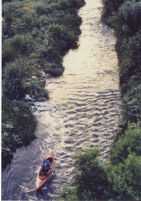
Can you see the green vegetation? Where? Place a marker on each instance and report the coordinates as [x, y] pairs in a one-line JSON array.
[[35, 36], [125, 18], [120, 179], [16, 131]]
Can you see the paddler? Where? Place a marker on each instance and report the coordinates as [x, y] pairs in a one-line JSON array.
[[45, 165]]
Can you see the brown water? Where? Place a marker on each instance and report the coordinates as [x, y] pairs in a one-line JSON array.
[[83, 111]]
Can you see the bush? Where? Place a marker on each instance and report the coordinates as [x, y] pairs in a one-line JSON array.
[[28, 19], [59, 5], [14, 82], [133, 174], [42, 9], [19, 43], [90, 181], [132, 99], [36, 89], [125, 178], [126, 144], [117, 178], [8, 53], [130, 13], [49, 54], [110, 6], [95, 181], [21, 78], [53, 69], [71, 4], [13, 47], [18, 126], [60, 38]]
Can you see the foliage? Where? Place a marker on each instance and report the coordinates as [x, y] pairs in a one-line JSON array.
[[90, 181], [18, 80], [13, 84], [110, 6], [17, 129], [124, 178], [128, 143], [61, 38], [35, 89], [132, 99], [91, 178], [53, 69], [59, 5], [130, 13], [16, 46], [96, 181]]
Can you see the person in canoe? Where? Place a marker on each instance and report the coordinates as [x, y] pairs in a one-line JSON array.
[[46, 166]]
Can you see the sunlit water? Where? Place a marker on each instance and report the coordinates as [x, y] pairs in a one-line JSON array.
[[83, 111]]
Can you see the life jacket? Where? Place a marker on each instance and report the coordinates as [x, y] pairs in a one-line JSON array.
[[46, 164]]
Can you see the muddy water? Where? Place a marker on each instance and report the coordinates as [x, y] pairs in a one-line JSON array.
[[83, 111]]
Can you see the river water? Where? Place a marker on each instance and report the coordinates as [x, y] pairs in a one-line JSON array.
[[83, 111]]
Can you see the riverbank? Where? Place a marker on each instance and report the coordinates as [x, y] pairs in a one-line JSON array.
[[36, 36], [120, 178]]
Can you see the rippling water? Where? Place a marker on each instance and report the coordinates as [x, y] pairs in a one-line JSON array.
[[83, 111]]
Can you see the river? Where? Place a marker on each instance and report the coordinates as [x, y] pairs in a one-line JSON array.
[[83, 111]]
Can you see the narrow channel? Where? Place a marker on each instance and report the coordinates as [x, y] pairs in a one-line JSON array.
[[83, 111]]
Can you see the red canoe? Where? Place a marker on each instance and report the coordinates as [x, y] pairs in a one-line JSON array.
[[41, 179]]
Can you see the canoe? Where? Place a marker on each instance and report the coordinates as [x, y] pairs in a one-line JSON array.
[[42, 179]]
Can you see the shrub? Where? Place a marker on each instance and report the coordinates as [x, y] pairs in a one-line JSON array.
[[95, 181], [53, 69], [28, 20], [42, 9], [129, 56], [64, 4], [50, 54], [14, 83], [34, 32], [60, 38], [126, 144], [13, 47], [59, 5], [18, 126], [8, 53], [36, 89], [130, 13], [18, 42], [90, 181], [132, 99], [133, 174], [117, 179], [124, 179], [110, 6], [19, 80]]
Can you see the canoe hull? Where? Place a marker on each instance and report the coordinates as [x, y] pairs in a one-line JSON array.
[[40, 181]]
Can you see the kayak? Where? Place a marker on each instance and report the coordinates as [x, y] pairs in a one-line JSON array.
[[42, 179]]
